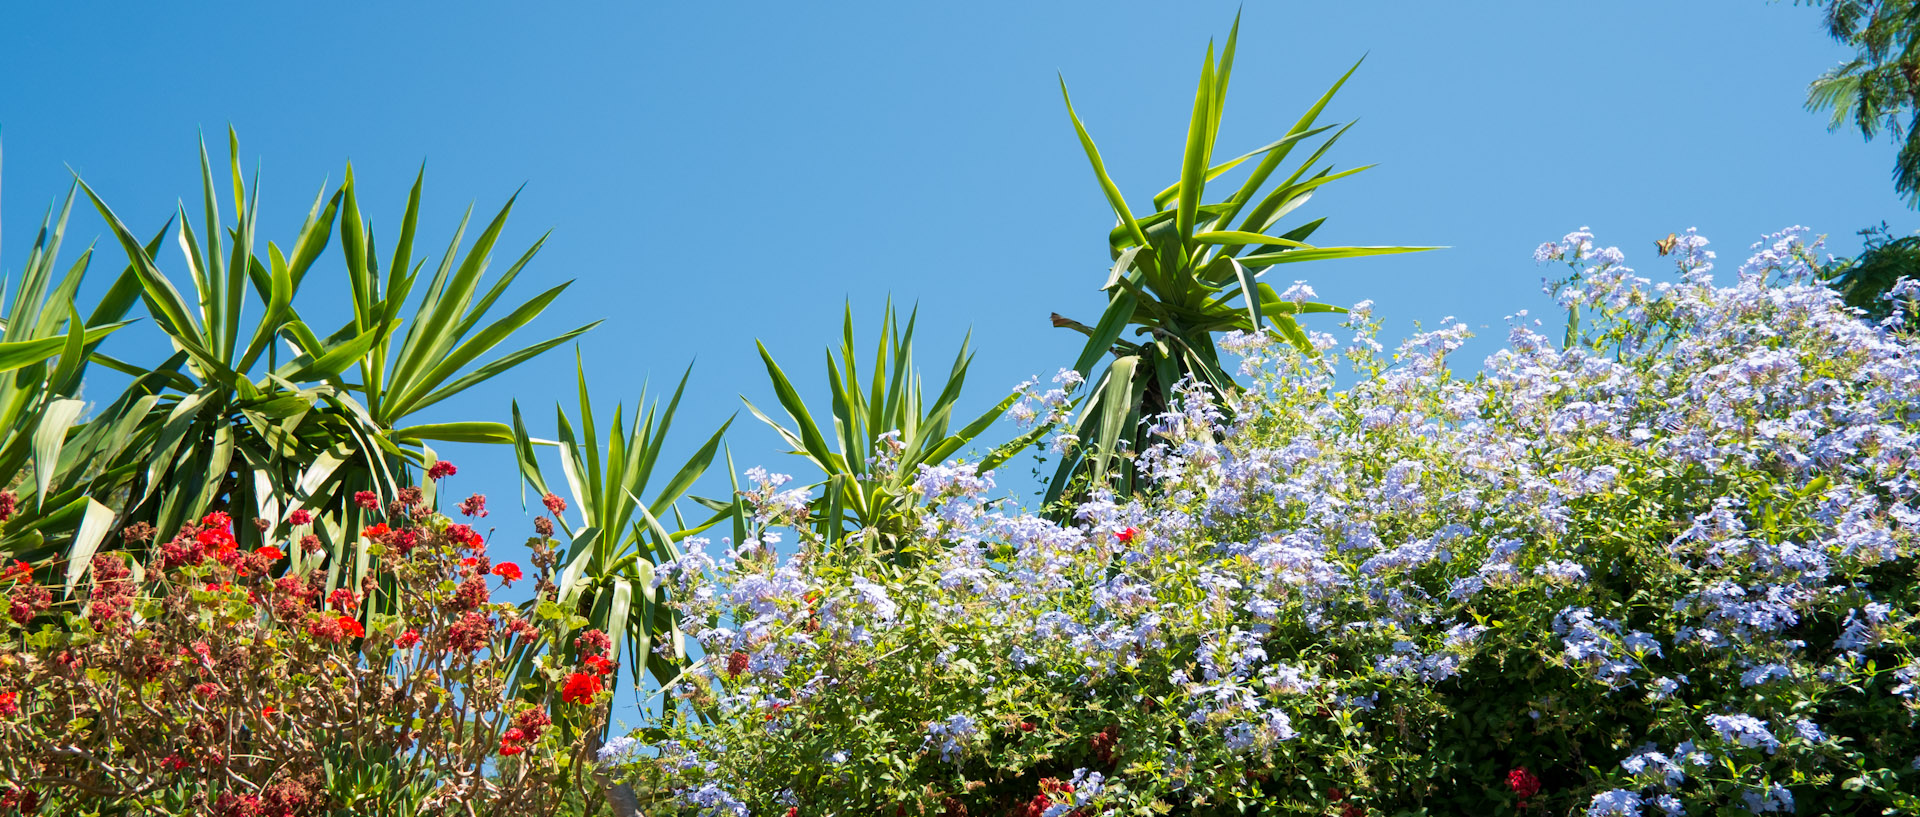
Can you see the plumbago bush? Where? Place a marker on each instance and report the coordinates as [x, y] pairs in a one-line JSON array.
[[1665, 569], [224, 681]]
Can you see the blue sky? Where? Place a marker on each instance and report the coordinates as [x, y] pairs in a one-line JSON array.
[[717, 173]]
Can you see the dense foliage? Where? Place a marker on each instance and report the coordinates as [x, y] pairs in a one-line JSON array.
[[1884, 260], [232, 682], [1879, 88], [1666, 568]]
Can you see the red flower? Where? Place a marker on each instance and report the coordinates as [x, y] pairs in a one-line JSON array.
[[272, 553], [470, 633], [593, 642], [1128, 536], [1104, 744], [1026, 726], [737, 663], [599, 664], [28, 601], [375, 531], [9, 703], [554, 504], [1353, 810], [300, 517], [342, 599], [1523, 784], [407, 639], [173, 762], [441, 470], [465, 535], [534, 721], [580, 689], [17, 571], [471, 594], [351, 626], [8, 500], [366, 499], [474, 506], [508, 572], [510, 749]]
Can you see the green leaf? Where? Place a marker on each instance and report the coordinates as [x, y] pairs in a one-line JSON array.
[[1193, 168], [809, 434], [49, 436], [1119, 313], [95, 521], [1235, 237], [1112, 191], [1264, 260], [460, 432]]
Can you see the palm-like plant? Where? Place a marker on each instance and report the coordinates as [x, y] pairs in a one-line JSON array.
[[1880, 87], [606, 571], [226, 424], [44, 348], [884, 429], [1184, 273]]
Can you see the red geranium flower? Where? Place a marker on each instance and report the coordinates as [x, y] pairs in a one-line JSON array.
[[1523, 784], [407, 639], [9, 704], [351, 626], [300, 517], [272, 553], [441, 470], [1128, 536], [581, 687], [593, 642], [475, 506], [510, 749], [508, 573], [17, 571], [375, 531], [366, 499], [599, 664]]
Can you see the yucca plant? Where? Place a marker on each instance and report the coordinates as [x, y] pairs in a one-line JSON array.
[[884, 429], [1185, 272], [52, 463], [606, 569], [227, 424]]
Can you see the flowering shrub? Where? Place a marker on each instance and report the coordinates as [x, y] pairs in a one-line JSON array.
[[232, 682], [1665, 568]]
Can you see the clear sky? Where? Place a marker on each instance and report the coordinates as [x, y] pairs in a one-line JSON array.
[[716, 173]]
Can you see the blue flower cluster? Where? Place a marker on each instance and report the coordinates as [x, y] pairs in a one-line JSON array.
[[1689, 524]]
